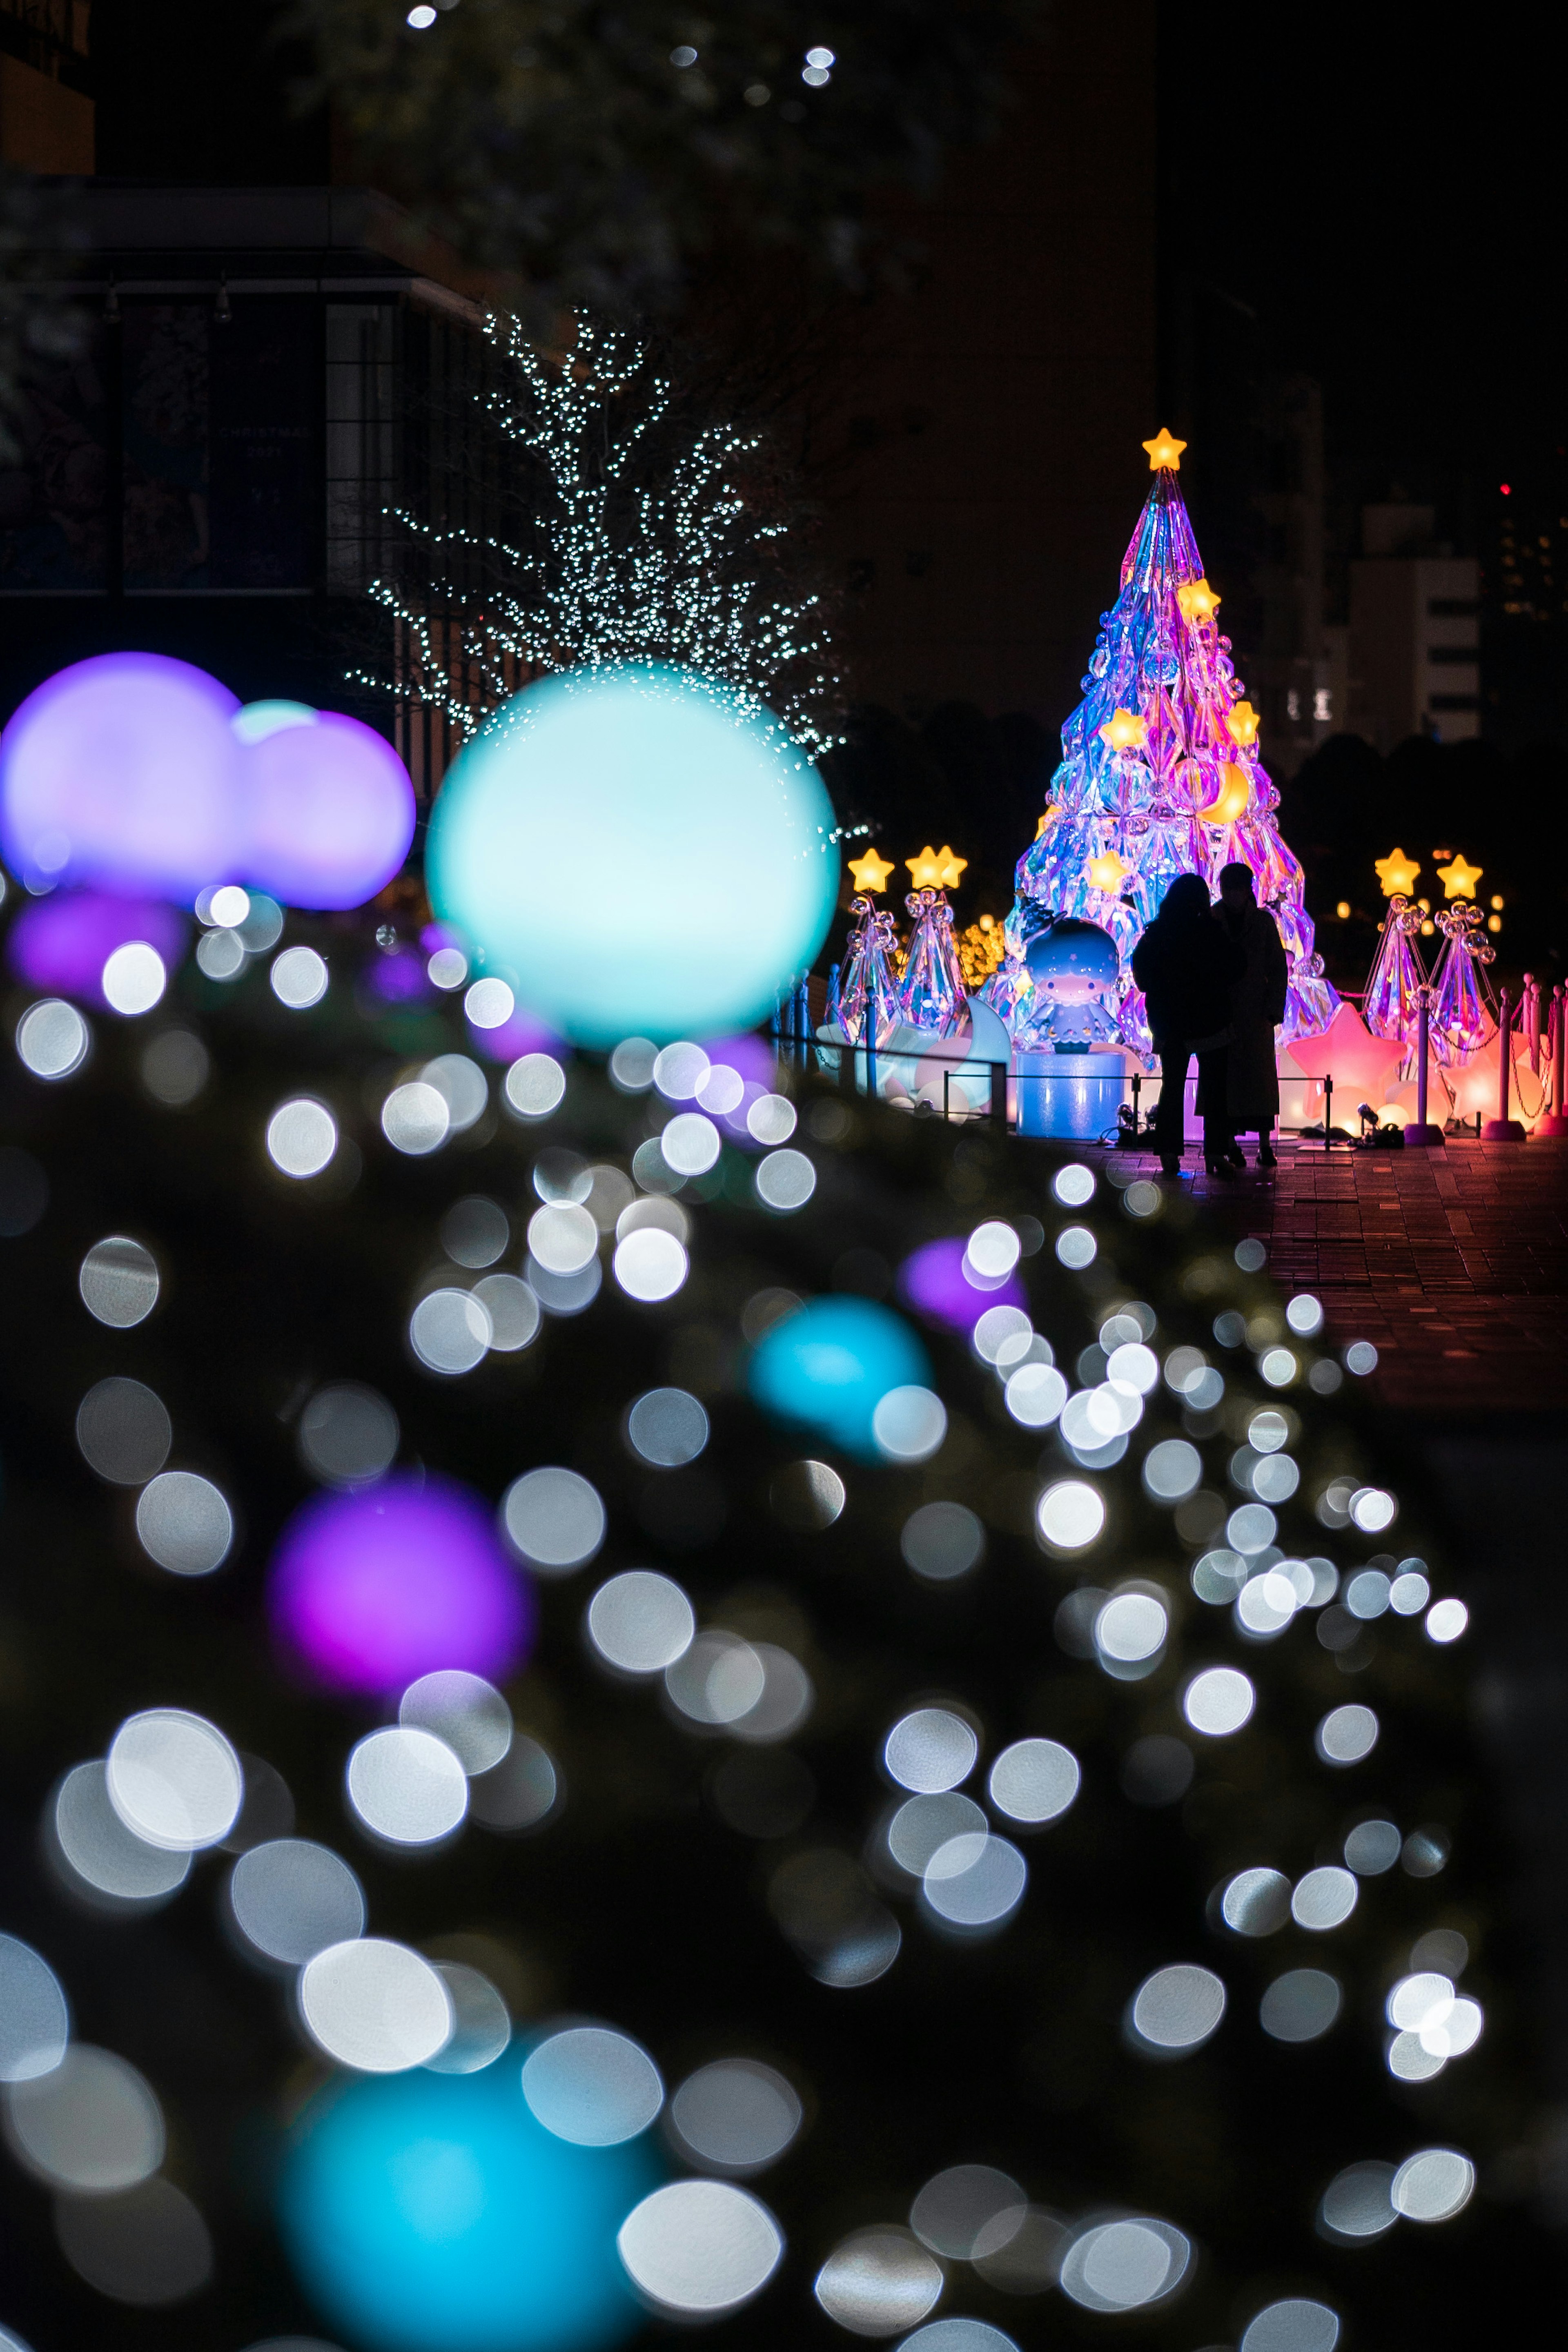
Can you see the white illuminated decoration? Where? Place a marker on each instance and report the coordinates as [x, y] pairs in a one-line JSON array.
[[695, 581]]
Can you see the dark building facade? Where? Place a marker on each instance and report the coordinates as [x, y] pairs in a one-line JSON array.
[[209, 473]]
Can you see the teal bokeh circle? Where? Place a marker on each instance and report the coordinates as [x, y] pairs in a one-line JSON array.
[[829, 1367], [638, 852], [428, 2213]]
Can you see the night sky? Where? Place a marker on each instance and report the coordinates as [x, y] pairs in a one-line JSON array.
[[1384, 188]]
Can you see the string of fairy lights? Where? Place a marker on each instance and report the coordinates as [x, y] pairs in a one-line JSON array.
[[627, 559]]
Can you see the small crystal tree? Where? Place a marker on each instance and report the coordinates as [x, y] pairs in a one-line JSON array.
[[633, 531]]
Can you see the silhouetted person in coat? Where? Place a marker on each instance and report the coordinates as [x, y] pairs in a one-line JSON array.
[[1186, 966], [1257, 1003]]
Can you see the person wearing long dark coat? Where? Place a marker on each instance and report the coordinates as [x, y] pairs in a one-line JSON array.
[[1256, 1004], [1186, 966]]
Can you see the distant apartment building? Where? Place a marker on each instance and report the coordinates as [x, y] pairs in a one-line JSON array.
[[1415, 647]]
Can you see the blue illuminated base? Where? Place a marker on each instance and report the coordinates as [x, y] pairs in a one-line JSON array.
[[1071, 1095]]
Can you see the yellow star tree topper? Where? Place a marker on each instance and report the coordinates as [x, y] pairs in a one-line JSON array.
[[1124, 729], [952, 868], [1108, 872], [1396, 873], [925, 871], [1199, 601], [1459, 879], [1164, 452], [870, 873], [1243, 723]]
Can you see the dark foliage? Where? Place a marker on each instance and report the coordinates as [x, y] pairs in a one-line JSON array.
[[561, 140]]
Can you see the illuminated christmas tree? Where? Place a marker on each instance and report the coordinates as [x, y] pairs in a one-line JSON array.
[[1160, 776]]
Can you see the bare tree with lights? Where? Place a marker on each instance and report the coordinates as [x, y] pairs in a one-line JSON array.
[[619, 525]]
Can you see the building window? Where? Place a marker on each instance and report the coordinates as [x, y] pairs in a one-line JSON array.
[[1452, 608], [1447, 656], [1454, 702], [361, 456]]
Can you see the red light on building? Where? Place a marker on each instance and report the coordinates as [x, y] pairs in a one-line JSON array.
[[1503, 487]]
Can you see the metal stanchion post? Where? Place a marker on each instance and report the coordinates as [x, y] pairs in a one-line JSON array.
[[1503, 1129], [1556, 1119], [1328, 1114], [1426, 1137]]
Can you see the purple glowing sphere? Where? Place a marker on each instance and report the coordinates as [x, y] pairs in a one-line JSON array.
[[61, 943], [937, 1282], [122, 772], [370, 1590], [329, 807]]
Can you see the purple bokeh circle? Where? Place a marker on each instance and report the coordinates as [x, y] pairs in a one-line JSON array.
[[520, 1033], [122, 772], [397, 977], [330, 811], [934, 1282], [370, 1590], [61, 943], [749, 1056]]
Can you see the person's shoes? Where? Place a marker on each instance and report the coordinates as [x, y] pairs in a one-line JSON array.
[[1233, 1152], [1171, 1170], [1221, 1167], [1265, 1157]]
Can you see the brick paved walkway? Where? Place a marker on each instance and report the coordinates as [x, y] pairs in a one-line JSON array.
[[1453, 1263]]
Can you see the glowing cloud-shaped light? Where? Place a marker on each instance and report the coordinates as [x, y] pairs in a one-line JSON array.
[[329, 806], [637, 851], [122, 772]]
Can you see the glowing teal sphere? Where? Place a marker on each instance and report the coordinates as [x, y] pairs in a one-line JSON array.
[[433, 2213], [830, 1366], [637, 852]]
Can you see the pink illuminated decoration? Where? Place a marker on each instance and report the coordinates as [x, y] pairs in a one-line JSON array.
[[370, 1590], [329, 805], [1361, 1065], [61, 943], [122, 772]]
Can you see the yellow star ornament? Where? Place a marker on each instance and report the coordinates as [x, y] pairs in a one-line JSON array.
[[1107, 872], [870, 873], [1197, 601], [1459, 879], [1164, 453], [952, 868], [1396, 873], [1230, 802], [1243, 723], [1123, 729], [925, 871]]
